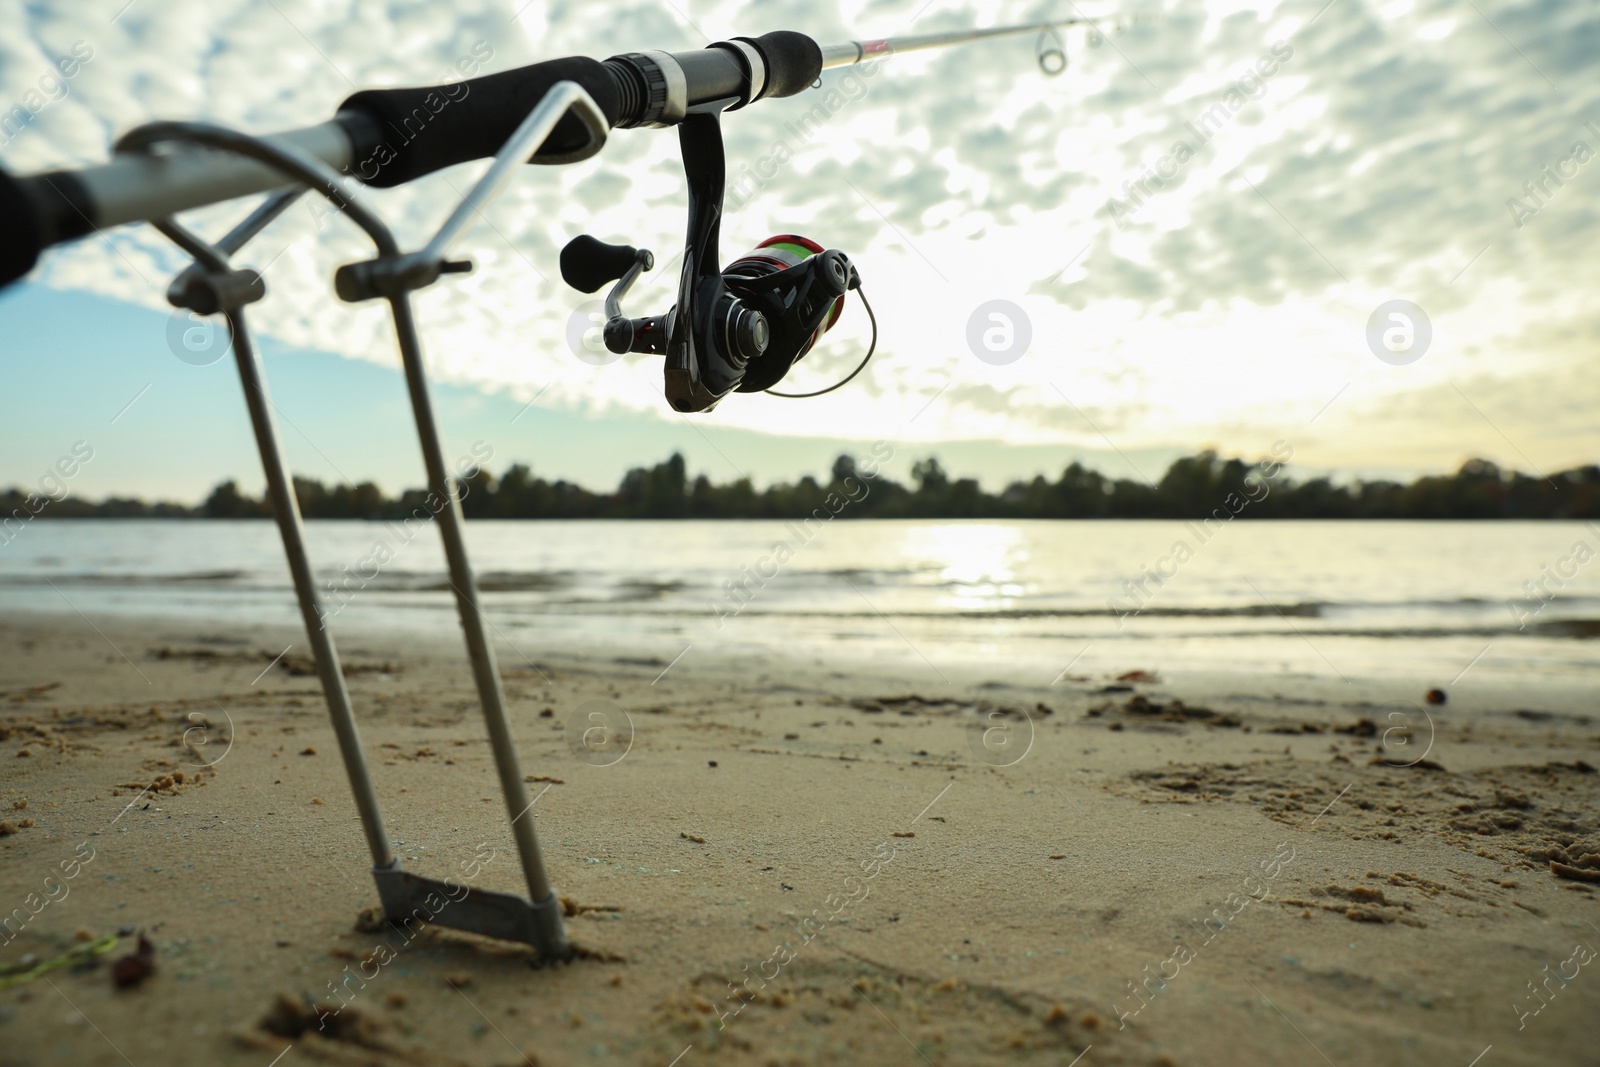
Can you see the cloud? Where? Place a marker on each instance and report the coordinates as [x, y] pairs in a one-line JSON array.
[[1374, 162]]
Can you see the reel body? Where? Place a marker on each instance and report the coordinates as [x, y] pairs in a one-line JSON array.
[[738, 329]]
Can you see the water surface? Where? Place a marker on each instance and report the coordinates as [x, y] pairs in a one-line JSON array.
[[1020, 599]]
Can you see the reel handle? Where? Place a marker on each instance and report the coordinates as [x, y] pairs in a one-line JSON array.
[[587, 264]]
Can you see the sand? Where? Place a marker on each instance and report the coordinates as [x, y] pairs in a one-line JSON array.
[[1250, 875]]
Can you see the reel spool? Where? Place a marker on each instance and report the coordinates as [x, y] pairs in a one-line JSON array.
[[776, 279], [780, 253], [734, 329]]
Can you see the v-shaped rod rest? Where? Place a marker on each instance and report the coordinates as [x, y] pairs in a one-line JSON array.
[[211, 286]]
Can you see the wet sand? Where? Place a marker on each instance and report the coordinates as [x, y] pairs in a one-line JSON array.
[[791, 863]]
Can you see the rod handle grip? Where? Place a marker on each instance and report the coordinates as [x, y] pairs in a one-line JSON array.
[[794, 61], [401, 134]]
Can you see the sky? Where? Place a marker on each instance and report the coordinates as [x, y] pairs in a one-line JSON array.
[[1203, 228]]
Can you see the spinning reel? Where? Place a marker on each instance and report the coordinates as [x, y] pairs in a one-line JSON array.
[[738, 329]]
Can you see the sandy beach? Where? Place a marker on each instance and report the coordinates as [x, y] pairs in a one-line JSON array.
[[790, 864]]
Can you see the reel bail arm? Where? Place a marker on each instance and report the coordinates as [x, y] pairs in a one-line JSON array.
[[734, 329]]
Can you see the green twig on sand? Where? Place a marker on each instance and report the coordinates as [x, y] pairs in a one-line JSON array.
[[21, 973]]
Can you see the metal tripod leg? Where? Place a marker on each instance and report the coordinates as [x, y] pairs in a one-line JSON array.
[[212, 286], [394, 276], [485, 670], [405, 896], [286, 510]]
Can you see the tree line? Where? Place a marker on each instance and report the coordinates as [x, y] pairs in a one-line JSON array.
[[1192, 487]]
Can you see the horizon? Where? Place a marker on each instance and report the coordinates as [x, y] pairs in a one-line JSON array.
[[1224, 478]]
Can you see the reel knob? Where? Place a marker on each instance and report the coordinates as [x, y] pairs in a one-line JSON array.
[[587, 264]]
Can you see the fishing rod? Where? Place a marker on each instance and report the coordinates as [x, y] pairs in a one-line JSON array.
[[736, 330], [739, 328], [1052, 53]]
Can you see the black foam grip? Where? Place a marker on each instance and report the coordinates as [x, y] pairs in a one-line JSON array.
[[21, 230], [794, 61], [401, 134], [587, 264]]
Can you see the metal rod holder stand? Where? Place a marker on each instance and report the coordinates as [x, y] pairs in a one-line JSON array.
[[213, 286]]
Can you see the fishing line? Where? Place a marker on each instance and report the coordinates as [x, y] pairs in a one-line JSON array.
[[873, 347]]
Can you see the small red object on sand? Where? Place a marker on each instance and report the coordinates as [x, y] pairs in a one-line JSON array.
[[136, 966], [1436, 696]]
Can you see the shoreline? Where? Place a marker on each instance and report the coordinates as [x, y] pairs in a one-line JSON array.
[[1509, 692]]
